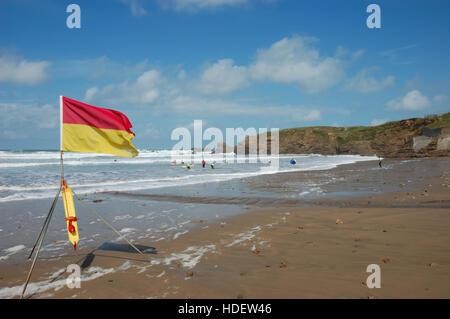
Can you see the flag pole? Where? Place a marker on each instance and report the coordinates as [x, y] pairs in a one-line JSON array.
[[41, 240], [44, 228], [47, 220]]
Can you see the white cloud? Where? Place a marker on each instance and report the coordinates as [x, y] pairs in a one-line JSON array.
[[294, 60], [136, 7], [376, 122], [19, 120], [356, 55], [20, 71], [149, 131], [181, 75], [101, 67], [363, 82], [440, 98], [399, 55], [305, 115], [222, 77], [219, 107], [196, 5], [412, 101], [90, 93], [144, 91]]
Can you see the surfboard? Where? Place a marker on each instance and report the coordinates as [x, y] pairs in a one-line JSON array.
[[71, 218], [186, 166]]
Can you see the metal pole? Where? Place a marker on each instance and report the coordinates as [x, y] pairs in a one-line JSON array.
[[107, 224], [47, 220], [43, 232], [36, 255]]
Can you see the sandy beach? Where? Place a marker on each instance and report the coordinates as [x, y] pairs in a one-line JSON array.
[[317, 248]]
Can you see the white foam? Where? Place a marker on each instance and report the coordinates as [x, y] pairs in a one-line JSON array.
[[11, 251], [190, 257], [244, 236], [127, 230], [179, 234], [176, 177], [42, 286]]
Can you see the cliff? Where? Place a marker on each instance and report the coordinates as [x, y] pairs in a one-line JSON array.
[[415, 137]]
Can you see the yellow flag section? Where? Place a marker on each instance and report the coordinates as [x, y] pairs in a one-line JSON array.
[[71, 218]]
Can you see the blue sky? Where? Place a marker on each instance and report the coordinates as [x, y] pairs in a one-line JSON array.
[[230, 63]]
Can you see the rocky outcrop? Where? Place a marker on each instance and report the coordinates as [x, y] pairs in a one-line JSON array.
[[420, 142], [443, 142], [416, 137]]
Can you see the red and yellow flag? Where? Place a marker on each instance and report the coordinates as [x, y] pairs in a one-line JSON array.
[[87, 128]]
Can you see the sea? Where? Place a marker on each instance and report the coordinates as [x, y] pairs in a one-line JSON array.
[[148, 198]]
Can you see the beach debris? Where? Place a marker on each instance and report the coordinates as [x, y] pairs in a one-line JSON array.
[[386, 260], [243, 273], [97, 200], [283, 264], [339, 221], [432, 264], [370, 297], [301, 227], [384, 231], [190, 274], [255, 250], [240, 296]]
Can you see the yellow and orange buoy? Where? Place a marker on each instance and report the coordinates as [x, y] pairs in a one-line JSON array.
[[71, 218]]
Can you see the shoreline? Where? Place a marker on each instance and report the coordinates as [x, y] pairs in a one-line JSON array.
[[261, 254]]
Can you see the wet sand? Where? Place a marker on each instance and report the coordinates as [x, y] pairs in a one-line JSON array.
[[281, 249]]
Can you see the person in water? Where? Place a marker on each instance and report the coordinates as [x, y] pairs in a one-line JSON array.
[[379, 162], [203, 163]]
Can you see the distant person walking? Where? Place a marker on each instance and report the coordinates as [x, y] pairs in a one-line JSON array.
[[203, 163], [379, 162]]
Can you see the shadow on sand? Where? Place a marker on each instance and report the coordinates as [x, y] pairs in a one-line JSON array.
[[87, 259]]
